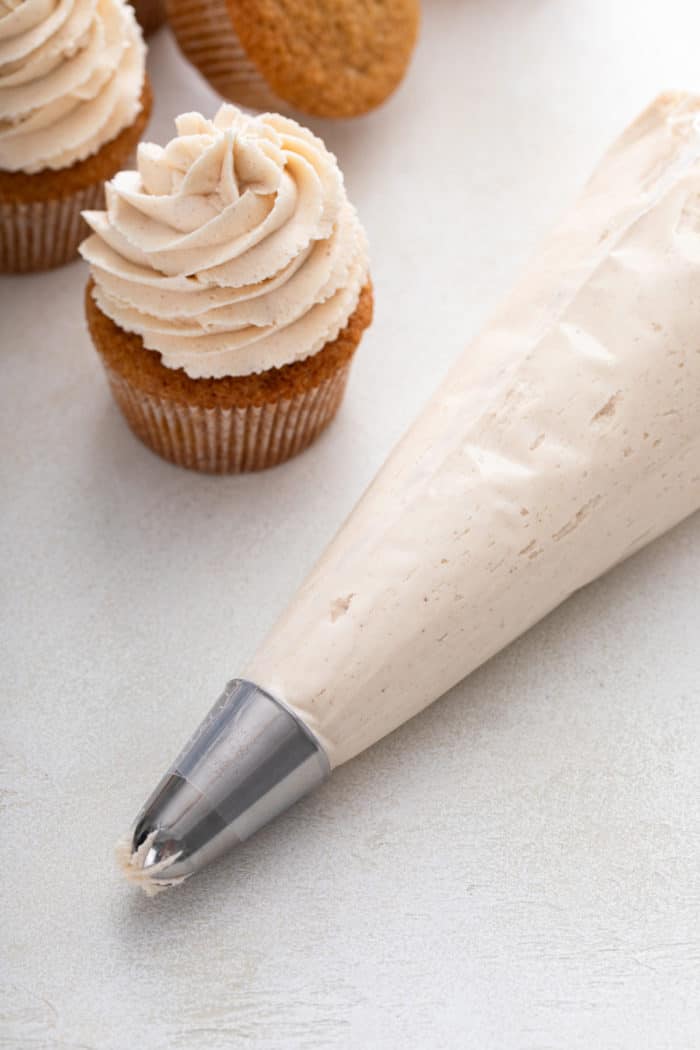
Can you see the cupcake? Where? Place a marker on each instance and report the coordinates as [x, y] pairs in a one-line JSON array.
[[73, 103], [329, 60], [150, 14], [229, 290]]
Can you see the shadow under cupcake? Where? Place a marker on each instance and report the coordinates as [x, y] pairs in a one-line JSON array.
[[229, 290]]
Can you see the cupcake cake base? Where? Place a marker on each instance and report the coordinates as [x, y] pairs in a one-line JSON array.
[[150, 14], [233, 424], [40, 221]]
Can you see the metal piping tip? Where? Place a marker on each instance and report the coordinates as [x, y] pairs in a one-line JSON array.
[[250, 759], [146, 866]]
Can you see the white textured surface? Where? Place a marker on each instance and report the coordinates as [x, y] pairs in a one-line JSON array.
[[518, 868]]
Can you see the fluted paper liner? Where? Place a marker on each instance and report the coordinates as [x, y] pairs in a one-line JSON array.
[[38, 235], [228, 440], [206, 36]]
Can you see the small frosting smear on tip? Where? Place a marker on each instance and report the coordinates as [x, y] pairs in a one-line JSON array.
[[71, 79], [150, 879], [231, 250]]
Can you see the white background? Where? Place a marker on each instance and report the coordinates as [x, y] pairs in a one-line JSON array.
[[517, 868]]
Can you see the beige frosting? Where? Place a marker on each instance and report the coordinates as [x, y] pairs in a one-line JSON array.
[[71, 78], [563, 440], [231, 250], [152, 879]]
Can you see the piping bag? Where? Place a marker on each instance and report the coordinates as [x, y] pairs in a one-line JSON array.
[[564, 439]]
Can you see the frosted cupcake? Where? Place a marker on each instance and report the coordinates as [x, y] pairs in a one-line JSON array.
[[229, 290], [73, 103], [335, 59]]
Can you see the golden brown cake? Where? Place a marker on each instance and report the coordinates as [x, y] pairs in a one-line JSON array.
[[333, 58], [150, 14], [232, 424]]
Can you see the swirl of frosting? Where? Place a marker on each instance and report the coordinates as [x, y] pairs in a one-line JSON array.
[[231, 250], [71, 78]]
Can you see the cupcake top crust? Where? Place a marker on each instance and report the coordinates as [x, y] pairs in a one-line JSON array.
[[332, 58], [231, 250], [71, 79]]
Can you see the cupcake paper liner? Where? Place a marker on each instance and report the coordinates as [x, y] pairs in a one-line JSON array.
[[229, 440], [206, 36], [39, 235]]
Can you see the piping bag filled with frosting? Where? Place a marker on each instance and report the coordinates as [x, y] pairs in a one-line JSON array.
[[563, 440]]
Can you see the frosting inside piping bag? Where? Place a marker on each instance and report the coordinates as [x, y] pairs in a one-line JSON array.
[[565, 438]]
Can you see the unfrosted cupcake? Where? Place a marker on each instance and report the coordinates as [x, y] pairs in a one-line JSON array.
[[335, 59], [229, 290], [73, 102]]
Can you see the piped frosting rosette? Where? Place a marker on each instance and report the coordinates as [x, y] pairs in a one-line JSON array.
[[231, 250], [71, 79]]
